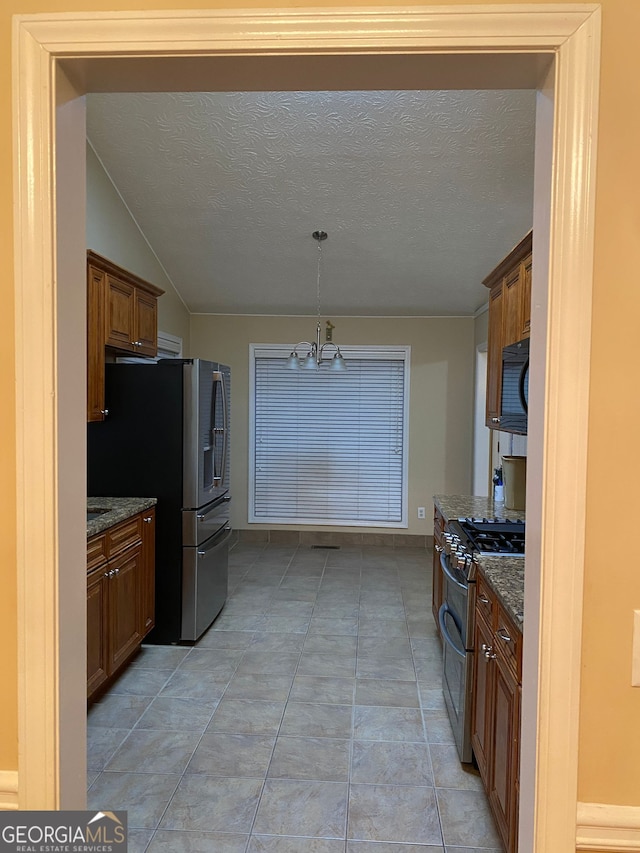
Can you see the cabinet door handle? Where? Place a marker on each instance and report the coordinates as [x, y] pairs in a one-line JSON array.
[[106, 574], [495, 420], [503, 635], [137, 343], [439, 549], [104, 412], [147, 520], [483, 599]]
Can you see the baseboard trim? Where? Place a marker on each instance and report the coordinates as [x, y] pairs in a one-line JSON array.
[[321, 537], [8, 790], [608, 828]]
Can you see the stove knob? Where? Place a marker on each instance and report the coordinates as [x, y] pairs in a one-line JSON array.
[[461, 558], [449, 542]]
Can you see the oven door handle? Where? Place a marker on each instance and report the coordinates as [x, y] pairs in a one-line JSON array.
[[447, 571], [446, 636]]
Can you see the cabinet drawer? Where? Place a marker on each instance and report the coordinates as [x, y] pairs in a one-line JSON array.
[[438, 526], [508, 642], [96, 551], [123, 535], [485, 600]]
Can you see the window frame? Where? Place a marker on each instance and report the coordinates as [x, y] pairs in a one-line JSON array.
[[382, 353]]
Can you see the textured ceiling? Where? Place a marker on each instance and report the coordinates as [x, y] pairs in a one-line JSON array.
[[421, 193]]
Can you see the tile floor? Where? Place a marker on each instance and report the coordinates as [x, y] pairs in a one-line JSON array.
[[308, 719]]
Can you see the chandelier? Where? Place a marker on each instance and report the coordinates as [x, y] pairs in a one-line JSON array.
[[315, 351]]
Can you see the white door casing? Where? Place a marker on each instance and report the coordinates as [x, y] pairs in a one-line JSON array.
[[49, 255]]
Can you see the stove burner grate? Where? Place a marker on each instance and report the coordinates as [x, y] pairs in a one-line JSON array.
[[494, 536]]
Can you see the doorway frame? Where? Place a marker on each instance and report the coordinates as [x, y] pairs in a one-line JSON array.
[[481, 435], [49, 262]]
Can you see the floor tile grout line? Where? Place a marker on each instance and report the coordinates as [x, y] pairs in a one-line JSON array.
[[182, 776], [402, 586], [266, 776]]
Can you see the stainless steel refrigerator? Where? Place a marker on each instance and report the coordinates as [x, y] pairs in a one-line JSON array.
[[167, 436]]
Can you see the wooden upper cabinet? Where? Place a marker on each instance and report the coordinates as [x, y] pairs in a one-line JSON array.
[[95, 344], [494, 358], [122, 316], [526, 297], [146, 323], [509, 317], [512, 307]]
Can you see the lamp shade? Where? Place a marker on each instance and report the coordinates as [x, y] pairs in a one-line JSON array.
[[292, 363], [338, 364]]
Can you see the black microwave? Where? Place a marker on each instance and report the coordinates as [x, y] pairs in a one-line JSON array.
[[514, 403]]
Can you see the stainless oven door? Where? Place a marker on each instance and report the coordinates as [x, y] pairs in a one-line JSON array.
[[457, 675], [457, 596]]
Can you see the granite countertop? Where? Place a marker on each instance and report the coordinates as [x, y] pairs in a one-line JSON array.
[[468, 506], [505, 575], [118, 509]]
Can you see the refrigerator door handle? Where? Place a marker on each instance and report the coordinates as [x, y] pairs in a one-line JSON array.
[[218, 476]]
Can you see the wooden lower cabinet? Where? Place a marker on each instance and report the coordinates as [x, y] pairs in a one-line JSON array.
[[495, 728], [506, 730], [125, 593], [148, 598], [120, 596], [437, 596], [483, 692], [97, 633]]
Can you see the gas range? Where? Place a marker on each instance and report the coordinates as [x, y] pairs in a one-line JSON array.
[[498, 537], [465, 541]]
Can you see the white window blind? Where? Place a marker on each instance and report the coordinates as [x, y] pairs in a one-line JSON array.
[[330, 448]]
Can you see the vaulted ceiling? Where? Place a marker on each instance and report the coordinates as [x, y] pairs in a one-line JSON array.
[[421, 193]]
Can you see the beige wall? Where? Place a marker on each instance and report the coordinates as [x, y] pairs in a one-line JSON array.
[[441, 394], [112, 232], [610, 709], [481, 329]]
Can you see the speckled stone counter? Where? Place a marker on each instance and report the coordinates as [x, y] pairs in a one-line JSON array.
[[505, 575], [118, 509], [467, 506]]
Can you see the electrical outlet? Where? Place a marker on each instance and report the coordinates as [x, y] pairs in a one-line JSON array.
[[421, 512]]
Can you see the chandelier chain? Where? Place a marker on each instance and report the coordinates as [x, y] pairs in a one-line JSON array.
[[316, 349], [318, 276]]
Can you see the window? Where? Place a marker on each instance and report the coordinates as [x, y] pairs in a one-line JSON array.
[[329, 448]]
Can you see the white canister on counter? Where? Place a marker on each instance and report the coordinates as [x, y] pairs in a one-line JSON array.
[[498, 493]]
